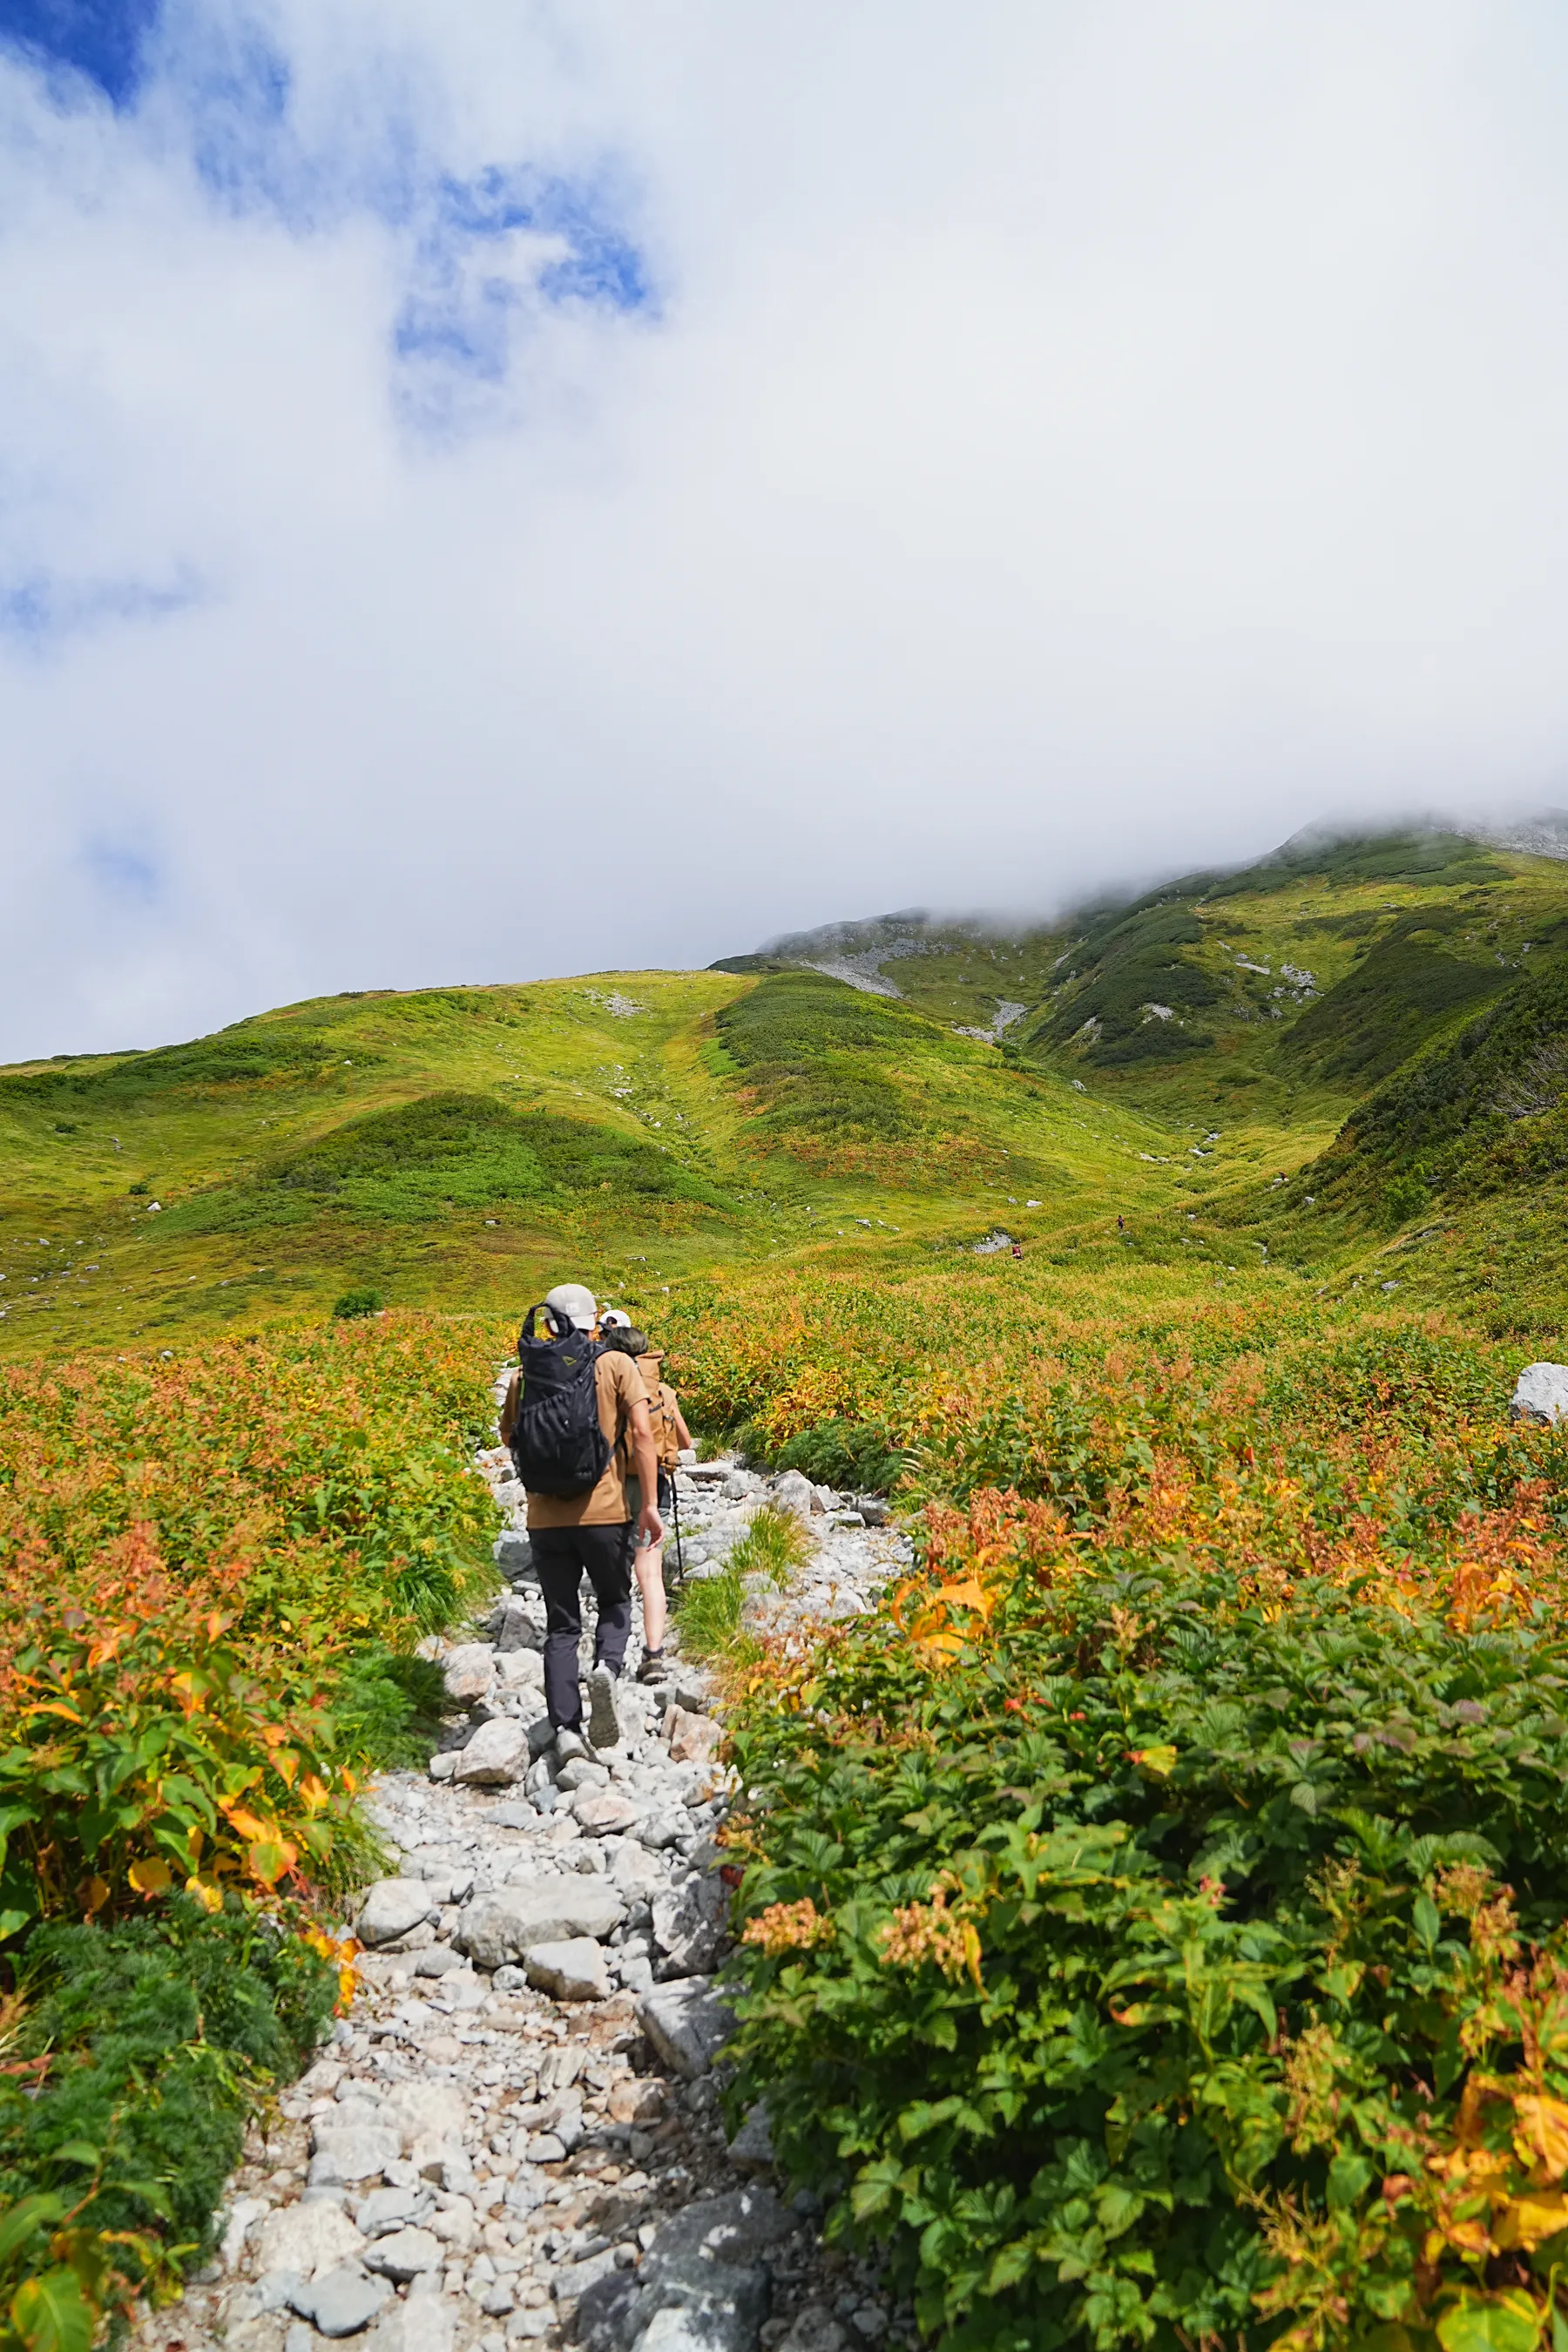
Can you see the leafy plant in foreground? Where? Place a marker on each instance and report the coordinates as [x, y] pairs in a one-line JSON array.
[[1140, 1960]]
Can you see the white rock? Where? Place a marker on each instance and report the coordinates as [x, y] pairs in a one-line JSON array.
[[605, 1812], [1541, 1394], [689, 1921], [495, 1757], [794, 1492], [507, 1922], [428, 2111], [391, 1908], [634, 1870], [574, 1970], [520, 1669], [344, 2300], [470, 1670], [306, 2239], [425, 2322], [359, 2152], [687, 2023], [403, 2255]]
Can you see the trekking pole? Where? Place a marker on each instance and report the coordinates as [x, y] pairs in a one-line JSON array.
[[680, 1552]]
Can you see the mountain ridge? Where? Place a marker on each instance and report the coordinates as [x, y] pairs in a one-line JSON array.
[[1307, 1058]]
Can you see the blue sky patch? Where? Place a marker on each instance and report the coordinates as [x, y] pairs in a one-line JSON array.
[[496, 252], [122, 870], [43, 605], [101, 40]]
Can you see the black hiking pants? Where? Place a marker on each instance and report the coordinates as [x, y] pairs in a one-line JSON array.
[[563, 1556]]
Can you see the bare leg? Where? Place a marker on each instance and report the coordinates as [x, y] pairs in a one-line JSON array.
[[649, 1565]]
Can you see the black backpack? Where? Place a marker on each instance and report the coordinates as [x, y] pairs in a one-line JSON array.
[[557, 1444]]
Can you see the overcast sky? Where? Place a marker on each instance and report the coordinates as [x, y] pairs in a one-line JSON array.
[[496, 489]]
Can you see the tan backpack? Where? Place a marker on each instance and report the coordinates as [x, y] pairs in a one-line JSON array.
[[661, 1412]]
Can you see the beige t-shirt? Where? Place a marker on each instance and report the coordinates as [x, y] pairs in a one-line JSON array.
[[619, 1387]]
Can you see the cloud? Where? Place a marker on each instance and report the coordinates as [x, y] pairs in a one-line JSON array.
[[626, 483]]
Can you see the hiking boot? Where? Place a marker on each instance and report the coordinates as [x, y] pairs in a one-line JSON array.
[[604, 1725], [570, 1744], [655, 1668]]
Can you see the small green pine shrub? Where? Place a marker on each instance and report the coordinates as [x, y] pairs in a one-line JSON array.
[[160, 2034], [1404, 1197], [363, 1301]]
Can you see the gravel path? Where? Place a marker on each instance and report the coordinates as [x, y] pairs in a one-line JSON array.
[[514, 2137]]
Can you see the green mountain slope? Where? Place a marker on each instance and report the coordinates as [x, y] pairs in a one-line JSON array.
[[1347, 1058]]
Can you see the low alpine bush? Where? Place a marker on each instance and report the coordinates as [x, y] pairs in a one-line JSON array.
[[133, 2054], [1155, 1955]]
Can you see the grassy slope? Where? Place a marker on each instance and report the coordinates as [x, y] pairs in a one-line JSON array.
[[462, 1147]]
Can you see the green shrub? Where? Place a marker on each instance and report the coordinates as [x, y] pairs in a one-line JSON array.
[[151, 2040], [1404, 1197], [1123, 1972], [363, 1301], [447, 1149], [861, 1455]]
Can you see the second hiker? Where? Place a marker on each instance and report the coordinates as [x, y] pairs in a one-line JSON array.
[[575, 1417], [670, 1436]]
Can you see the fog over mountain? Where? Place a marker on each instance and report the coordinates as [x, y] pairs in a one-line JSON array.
[[489, 492]]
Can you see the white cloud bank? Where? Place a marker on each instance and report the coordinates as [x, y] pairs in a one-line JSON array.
[[505, 489]]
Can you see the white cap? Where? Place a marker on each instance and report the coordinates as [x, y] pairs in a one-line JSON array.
[[614, 1319], [570, 1303]]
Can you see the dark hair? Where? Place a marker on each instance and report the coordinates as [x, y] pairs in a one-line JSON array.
[[624, 1342]]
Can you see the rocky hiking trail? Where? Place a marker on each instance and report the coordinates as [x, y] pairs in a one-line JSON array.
[[514, 2136]]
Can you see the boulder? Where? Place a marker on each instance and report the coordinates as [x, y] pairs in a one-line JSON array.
[[391, 1908], [723, 2314], [359, 2152], [572, 1970], [513, 1555], [742, 2225], [344, 2300], [403, 2255], [427, 2111], [634, 1870], [495, 1757], [688, 2023], [704, 2284], [689, 1921], [305, 2239], [605, 1812], [634, 2099], [385, 2210], [794, 1492], [506, 1922], [425, 2322], [751, 2149], [513, 1627], [521, 1670], [470, 1670], [1541, 1394], [692, 1737]]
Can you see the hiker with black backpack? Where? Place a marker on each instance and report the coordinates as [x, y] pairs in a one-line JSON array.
[[671, 1434], [574, 1415]]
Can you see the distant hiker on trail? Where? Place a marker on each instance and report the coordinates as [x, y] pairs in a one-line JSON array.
[[670, 1436], [1018, 1249], [573, 1415]]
